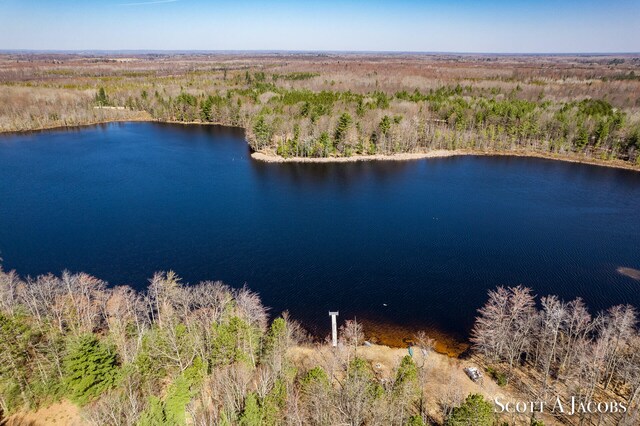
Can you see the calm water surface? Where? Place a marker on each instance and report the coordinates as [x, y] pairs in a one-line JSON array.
[[427, 238]]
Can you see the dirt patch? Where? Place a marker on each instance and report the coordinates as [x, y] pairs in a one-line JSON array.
[[60, 413], [445, 381]]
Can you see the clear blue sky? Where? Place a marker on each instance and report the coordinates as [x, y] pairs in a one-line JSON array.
[[447, 26]]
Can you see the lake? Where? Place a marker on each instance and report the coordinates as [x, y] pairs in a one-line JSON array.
[[415, 244]]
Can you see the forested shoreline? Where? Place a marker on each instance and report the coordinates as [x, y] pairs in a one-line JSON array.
[[558, 349], [176, 354], [207, 354], [587, 109]]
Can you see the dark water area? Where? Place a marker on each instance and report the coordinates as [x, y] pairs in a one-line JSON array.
[[414, 243]]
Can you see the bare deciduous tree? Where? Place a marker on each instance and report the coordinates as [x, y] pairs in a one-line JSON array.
[[503, 329]]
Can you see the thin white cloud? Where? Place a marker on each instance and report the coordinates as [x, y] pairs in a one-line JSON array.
[[145, 3]]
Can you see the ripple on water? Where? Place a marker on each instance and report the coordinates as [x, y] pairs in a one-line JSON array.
[[409, 246]]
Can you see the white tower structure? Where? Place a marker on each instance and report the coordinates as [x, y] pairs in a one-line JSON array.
[[334, 328]]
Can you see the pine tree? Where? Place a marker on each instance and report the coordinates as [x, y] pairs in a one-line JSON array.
[[251, 414], [205, 109], [16, 340], [234, 342], [154, 414], [90, 369], [474, 411], [262, 132], [324, 143], [274, 404], [344, 122], [385, 125], [407, 372], [101, 97], [274, 338], [181, 391], [415, 421]]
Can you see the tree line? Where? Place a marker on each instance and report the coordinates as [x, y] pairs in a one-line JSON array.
[[557, 349], [303, 123], [207, 354], [202, 354], [307, 114]]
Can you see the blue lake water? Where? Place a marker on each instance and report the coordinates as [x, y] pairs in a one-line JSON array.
[[427, 238]]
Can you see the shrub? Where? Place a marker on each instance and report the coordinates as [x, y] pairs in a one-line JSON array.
[[500, 378], [415, 421]]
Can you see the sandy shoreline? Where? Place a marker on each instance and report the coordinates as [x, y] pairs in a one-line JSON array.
[[443, 153], [272, 158]]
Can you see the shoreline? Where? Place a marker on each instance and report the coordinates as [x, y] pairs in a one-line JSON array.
[[270, 157], [397, 336], [143, 118], [444, 153], [405, 156]]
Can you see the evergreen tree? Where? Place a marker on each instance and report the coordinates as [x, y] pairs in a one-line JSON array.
[[407, 372], [583, 138], [101, 97], [536, 422], [205, 109], [315, 376], [344, 122], [273, 341], [475, 411], [416, 421], [274, 404], [324, 143], [234, 341], [16, 339], [251, 413], [262, 132], [385, 125], [90, 369], [181, 391], [154, 414]]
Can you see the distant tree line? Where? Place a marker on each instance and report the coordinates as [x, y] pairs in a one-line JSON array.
[[307, 113]]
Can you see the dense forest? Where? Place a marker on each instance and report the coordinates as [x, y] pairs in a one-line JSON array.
[[207, 354], [303, 123], [344, 106]]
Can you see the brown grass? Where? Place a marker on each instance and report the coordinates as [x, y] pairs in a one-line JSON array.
[[61, 413], [444, 374]]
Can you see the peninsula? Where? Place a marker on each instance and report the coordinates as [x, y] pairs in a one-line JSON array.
[[334, 107]]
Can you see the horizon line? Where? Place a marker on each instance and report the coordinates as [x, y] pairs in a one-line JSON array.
[[297, 51]]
